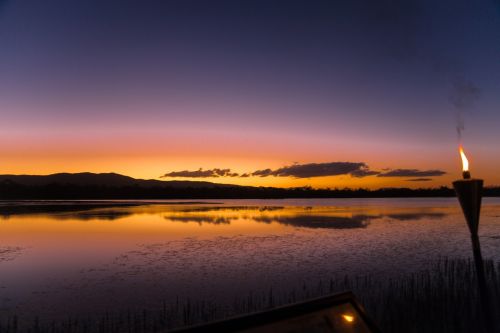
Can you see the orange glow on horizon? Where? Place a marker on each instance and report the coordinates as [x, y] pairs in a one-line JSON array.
[[145, 158]]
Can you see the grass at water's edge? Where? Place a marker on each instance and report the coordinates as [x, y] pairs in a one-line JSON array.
[[441, 299]]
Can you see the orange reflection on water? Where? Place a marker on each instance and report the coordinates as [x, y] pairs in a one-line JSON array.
[[109, 231], [137, 253]]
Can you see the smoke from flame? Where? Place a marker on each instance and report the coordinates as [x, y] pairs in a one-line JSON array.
[[463, 95]]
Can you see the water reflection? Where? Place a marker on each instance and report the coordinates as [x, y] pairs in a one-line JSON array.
[[306, 221], [201, 219], [108, 215], [416, 216], [236, 209], [9, 252], [319, 221], [304, 217], [110, 255], [74, 209], [82, 210]]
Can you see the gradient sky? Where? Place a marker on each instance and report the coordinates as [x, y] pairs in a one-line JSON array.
[[146, 88]]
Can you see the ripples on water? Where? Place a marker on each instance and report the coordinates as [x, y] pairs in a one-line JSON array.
[[112, 255]]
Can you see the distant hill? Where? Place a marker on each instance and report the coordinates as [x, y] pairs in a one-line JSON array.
[[69, 186], [99, 179]]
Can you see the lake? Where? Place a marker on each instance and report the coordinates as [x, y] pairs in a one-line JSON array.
[[60, 259]]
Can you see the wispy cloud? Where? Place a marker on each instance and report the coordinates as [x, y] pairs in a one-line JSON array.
[[419, 180], [411, 173]]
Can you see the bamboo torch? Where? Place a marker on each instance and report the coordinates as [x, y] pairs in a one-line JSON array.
[[469, 193]]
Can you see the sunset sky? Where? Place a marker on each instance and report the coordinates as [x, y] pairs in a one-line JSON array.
[[357, 93]]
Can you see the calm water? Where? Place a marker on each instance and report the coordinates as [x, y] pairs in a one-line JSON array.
[[56, 261]]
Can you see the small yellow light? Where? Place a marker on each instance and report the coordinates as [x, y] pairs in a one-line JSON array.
[[348, 318]]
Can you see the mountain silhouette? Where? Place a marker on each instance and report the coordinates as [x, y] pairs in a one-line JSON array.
[[99, 179]]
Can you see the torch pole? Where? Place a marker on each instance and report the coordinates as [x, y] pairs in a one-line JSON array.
[[469, 193], [482, 285]]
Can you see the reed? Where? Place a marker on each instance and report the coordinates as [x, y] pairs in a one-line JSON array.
[[443, 298]]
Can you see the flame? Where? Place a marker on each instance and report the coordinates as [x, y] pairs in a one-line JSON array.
[[465, 161], [348, 318]]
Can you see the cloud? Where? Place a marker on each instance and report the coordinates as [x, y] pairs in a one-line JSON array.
[[411, 173], [355, 169], [311, 170], [263, 173], [363, 173], [419, 180], [200, 173]]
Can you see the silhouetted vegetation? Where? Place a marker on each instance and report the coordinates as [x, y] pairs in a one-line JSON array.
[[441, 299], [67, 191], [10, 190]]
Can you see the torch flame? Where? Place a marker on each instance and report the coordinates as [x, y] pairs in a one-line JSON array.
[[465, 161]]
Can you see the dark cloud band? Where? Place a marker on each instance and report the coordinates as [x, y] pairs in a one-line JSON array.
[[310, 170]]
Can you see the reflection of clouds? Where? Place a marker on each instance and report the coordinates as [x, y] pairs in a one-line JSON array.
[[94, 215], [70, 210], [341, 222], [307, 217], [85, 215], [84, 210], [319, 221], [232, 209], [201, 219], [416, 216], [307, 221], [8, 253], [80, 215]]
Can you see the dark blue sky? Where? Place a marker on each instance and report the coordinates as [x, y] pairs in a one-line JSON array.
[[346, 73]]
